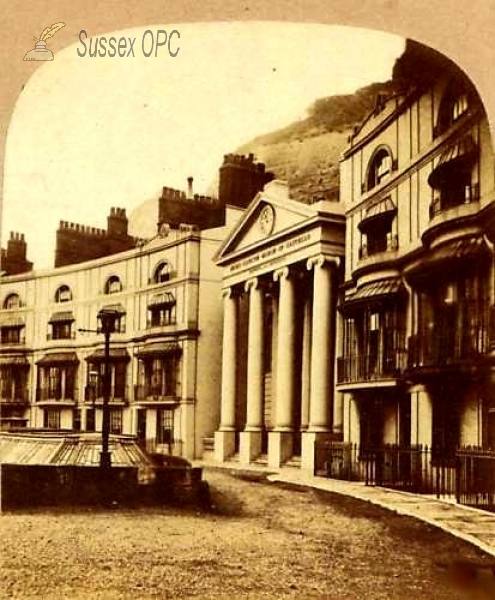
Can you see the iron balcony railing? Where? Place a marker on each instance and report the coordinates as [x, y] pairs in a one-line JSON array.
[[442, 203], [160, 322], [60, 336], [118, 393], [444, 348], [158, 393], [366, 250], [56, 394], [370, 367], [491, 328], [14, 394], [13, 340]]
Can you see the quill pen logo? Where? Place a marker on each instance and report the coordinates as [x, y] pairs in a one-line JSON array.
[[40, 51]]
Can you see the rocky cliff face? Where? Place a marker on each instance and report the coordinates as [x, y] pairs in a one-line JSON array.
[[306, 153]]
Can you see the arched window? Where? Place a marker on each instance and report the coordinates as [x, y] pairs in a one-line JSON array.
[[162, 272], [380, 168], [113, 285], [12, 301], [455, 102], [63, 294]]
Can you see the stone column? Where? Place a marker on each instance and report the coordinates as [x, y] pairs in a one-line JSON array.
[[225, 436], [322, 359], [250, 439], [338, 399], [421, 416], [280, 440], [306, 365]]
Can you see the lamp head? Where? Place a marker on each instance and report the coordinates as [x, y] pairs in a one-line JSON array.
[[108, 318], [93, 377]]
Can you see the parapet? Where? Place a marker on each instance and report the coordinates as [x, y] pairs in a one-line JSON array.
[[86, 230]]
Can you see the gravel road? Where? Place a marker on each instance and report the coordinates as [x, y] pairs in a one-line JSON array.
[[259, 541]]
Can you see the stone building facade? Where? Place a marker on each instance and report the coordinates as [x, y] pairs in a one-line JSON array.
[[282, 265], [165, 375], [166, 351], [417, 179]]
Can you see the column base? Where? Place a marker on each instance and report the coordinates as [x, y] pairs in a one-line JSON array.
[[249, 446], [280, 446], [338, 433], [224, 445], [308, 451]]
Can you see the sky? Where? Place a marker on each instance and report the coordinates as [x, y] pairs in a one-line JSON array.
[[89, 133]]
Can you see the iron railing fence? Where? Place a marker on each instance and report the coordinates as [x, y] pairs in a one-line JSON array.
[[475, 480], [468, 476]]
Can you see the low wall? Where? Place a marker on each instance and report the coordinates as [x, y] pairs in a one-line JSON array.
[[25, 486], [28, 486]]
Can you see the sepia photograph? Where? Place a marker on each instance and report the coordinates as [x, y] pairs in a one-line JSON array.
[[247, 301]]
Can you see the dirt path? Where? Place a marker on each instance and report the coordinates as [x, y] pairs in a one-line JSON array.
[[260, 541]]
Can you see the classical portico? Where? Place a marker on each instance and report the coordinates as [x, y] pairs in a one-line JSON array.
[[282, 265]]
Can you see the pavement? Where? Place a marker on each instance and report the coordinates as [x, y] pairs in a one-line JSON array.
[[469, 524]]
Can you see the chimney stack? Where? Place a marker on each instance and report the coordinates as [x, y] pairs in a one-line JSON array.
[[189, 188]]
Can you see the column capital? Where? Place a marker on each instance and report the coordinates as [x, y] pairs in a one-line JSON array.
[[231, 292], [282, 273], [322, 261], [252, 284], [228, 293]]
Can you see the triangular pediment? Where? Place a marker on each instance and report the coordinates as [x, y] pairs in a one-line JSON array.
[[270, 214]]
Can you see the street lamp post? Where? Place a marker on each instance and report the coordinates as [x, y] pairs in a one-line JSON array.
[[93, 382], [107, 319]]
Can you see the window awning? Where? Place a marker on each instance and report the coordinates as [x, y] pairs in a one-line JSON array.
[[463, 152], [164, 299], [64, 316], [159, 348], [449, 257], [115, 355], [382, 211], [376, 290], [57, 358], [116, 307], [11, 321], [14, 360]]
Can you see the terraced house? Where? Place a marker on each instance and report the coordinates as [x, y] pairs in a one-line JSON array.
[[418, 182], [165, 352]]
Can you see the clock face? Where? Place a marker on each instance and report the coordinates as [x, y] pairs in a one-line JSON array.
[[267, 218]]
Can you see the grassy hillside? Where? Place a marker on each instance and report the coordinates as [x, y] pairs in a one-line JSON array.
[[306, 153]]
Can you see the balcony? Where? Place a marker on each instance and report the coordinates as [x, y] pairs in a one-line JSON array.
[[12, 396], [452, 348], [364, 368], [367, 250], [156, 393], [442, 203], [60, 337], [56, 395], [160, 323], [13, 340], [118, 394]]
